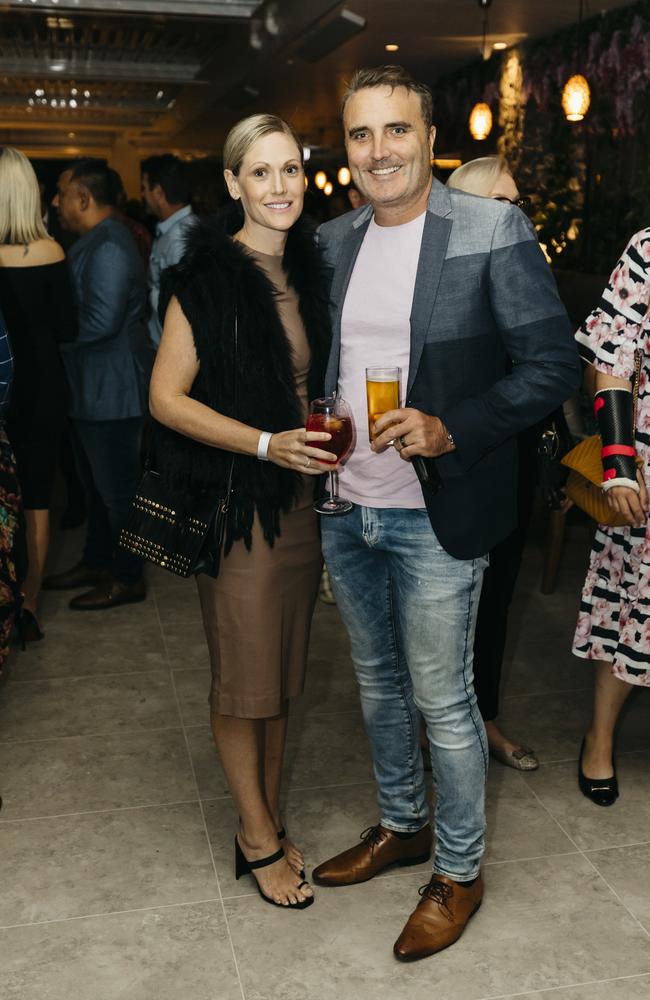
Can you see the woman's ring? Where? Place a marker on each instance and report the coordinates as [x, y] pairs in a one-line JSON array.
[[307, 462], [403, 442]]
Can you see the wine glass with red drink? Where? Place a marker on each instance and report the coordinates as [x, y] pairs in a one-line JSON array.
[[332, 415]]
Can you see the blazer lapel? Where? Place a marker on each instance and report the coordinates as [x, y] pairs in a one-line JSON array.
[[342, 274], [435, 237]]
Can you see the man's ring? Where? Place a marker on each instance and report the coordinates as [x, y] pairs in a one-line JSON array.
[[307, 462]]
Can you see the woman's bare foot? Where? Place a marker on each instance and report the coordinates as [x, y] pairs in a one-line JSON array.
[[278, 881], [293, 854]]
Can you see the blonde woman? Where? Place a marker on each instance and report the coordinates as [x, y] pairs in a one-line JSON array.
[[489, 177], [39, 311], [261, 274]]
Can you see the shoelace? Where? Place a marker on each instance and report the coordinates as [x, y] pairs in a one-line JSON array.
[[371, 836], [440, 893]]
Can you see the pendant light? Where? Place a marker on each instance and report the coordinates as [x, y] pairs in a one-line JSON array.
[[576, 95], [480, 119]]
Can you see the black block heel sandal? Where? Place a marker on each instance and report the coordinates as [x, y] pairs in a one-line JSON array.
[[245, 867]]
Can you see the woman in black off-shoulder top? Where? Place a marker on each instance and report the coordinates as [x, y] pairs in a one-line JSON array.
[[40, 313]]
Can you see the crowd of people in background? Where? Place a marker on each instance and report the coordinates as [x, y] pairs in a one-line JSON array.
[[126, 332]]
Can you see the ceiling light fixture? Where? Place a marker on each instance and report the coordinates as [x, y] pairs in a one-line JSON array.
[[480, 119], [391, 47], [576, 95], [320, 180], [499, 46], [58, 66], [344, 176], [329, 187]]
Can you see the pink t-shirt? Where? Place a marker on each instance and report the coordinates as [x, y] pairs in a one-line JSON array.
[[376, 332]]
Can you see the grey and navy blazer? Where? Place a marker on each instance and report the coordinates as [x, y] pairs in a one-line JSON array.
[[492, 351]]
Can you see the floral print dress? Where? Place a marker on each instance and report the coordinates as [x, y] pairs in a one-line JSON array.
[[614, 619]]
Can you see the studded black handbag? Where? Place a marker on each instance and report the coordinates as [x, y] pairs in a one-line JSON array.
[[181, 533]]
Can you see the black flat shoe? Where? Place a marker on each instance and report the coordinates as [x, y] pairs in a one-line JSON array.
[[601, 791], [245, 867]]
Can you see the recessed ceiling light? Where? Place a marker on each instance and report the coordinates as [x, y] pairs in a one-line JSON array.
[[72, 135], [391, 47], [39, 92], [500, 45]]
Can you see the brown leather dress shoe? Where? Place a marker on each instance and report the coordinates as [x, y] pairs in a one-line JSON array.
[[78, 576], [109, 595], [439, 919], [379, 849]]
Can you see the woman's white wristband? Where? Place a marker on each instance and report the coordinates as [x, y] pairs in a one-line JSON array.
[[263, 446]]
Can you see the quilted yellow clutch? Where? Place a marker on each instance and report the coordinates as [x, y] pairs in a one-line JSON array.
[[584, 483]]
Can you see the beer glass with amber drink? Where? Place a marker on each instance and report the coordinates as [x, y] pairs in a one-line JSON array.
[[332, 415], [382, 390]]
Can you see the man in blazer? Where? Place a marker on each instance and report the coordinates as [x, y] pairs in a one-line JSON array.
[[108, 368], [454, 290]]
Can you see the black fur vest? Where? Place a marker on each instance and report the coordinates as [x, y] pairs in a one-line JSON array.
[[216, 282]]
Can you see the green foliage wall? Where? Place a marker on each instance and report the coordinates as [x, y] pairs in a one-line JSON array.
[[589, 181]]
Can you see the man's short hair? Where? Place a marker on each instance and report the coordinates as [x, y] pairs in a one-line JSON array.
[[171, 174], [391, 76], [98, 178]]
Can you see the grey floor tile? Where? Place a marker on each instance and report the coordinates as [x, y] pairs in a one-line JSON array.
[[161, 954], [97, 651], [518, 826], [543, 924], [192, 688], [101, 862], [591, 826], [83, 773], [630, 988], [554, 723], [178, 604], [78, 706], [186, 646], [545, 666], [627, 871], [330, 682], [207, 766], [321, 750]]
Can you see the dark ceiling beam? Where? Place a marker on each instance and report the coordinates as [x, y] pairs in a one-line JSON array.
[[120, 70], [275, 29], [236, 9]]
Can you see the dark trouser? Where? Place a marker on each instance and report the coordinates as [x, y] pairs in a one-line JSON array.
[[498, 586], [108, 456]]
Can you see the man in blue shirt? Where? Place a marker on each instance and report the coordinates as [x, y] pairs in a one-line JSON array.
[[165, 193], [108, 370]]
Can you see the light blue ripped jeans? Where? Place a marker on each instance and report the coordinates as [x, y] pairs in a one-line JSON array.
[[410, 610]]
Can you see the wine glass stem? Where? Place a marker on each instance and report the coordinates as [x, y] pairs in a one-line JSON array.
[[333, 496]]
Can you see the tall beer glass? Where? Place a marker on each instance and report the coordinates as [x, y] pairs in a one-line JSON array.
[[382, 390]]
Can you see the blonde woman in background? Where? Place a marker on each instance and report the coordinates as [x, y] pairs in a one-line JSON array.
[[40, 314], [489, 177]]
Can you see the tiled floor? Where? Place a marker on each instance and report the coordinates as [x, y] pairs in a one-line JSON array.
[[116, 831]]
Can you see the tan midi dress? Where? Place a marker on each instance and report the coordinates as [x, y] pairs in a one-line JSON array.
[[257, 613]]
